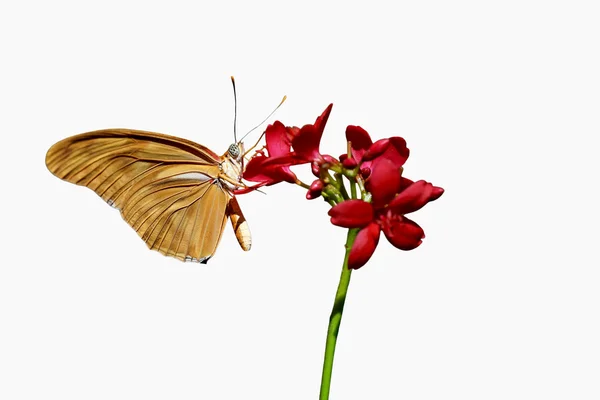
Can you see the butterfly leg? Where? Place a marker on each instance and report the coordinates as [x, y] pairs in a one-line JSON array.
[[255, 144]]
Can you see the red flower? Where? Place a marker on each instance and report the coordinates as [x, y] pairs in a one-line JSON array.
[[278, 139], [275, 168], [392, 197], [305, 142], [381, 166], [368, 154]]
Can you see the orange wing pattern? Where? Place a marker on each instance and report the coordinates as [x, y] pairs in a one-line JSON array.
[[165, 187]]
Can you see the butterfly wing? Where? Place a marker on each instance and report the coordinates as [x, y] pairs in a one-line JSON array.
[[166, 188], [180, 219]]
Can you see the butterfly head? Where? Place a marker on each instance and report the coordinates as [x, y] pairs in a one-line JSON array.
[[232, 164], [234, 151]]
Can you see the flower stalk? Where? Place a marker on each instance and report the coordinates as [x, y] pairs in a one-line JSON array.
[[336, 318]]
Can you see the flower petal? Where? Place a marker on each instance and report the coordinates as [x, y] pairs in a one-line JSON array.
[[292, 132], [383, 183], [396, 151], [258, 170], [364, 246], [306, 142], [376, 149], [360, 141], [285, 160], [351, 214], [401, 232], [405, 183], [414, 197], [254, 169], [322, 119], [278, 142]]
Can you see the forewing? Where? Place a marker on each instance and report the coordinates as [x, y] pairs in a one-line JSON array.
[[165, 187], [112, 161]]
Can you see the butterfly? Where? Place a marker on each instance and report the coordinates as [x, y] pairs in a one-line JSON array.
[[176, 194]]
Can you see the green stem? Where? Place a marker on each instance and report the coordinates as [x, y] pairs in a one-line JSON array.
[[341, 187], [336, 318], [302, 184], [353, 188]]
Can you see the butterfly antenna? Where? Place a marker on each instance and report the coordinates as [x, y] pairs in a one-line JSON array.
[[263, 121], [234, 111]]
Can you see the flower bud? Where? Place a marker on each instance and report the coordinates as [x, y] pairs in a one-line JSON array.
[[315, 190], [316, 170], [365, 172], [349, 163], [317, 185], [343, 157]]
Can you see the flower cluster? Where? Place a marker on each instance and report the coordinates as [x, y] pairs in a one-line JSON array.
[[379, 197]]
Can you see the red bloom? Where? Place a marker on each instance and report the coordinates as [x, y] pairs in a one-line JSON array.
[[392, 197], [305, 143], [278, 141], [275, 168], [380, 164], [368, 154]]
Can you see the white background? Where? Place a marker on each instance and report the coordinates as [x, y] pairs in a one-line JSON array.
[[499, 103]]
